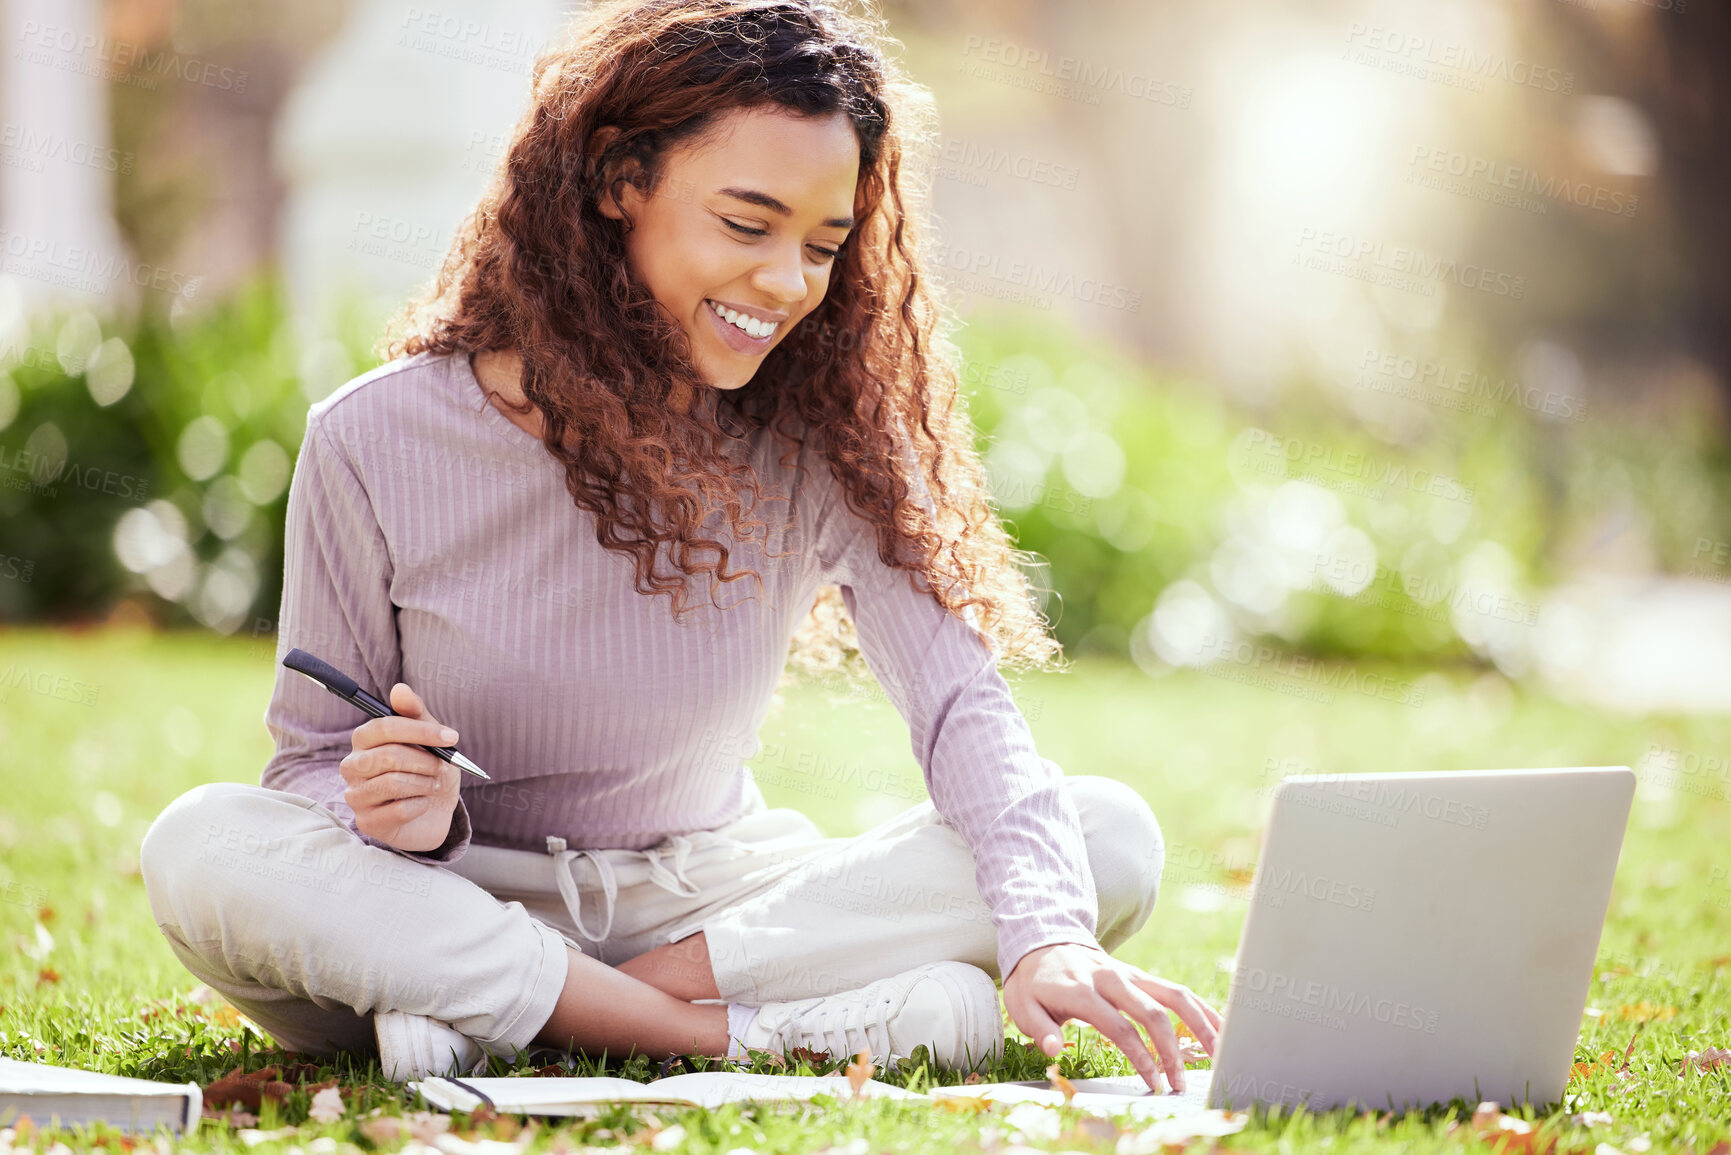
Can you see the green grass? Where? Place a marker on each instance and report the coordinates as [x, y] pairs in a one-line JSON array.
[[120, 722]]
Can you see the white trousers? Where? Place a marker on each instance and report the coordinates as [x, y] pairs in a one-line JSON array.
[[265, 896]]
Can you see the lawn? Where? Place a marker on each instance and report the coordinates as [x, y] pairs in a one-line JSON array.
[[100, 729]]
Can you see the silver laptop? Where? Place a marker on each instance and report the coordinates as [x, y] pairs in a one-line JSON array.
[[1413, 938]]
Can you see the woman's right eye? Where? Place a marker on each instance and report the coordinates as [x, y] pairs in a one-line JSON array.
[[746, 231]]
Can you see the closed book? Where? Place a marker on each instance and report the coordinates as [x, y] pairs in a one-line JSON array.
[[69, 1097]]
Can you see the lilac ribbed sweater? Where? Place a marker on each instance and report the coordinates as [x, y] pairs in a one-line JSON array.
[[431, 541]]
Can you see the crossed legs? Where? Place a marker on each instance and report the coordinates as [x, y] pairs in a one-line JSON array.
[[243, 881]]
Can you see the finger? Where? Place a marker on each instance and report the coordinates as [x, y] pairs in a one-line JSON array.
[[395, 784], [1190, 1006], [403, 807], [1208, 1011], [1204, 1022], [1132, 1000], [1032, 1020], [405, 701], [404, 810], [387, 822], [360, 765], [1105, 1018], [408, 731], [1214, 1020]]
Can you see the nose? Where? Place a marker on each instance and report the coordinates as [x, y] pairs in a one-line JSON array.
[[781, 279]]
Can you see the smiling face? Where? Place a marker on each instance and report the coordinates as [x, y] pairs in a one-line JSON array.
[[742, 231]]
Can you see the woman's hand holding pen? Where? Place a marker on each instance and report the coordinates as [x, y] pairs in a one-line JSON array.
[[401, 794]]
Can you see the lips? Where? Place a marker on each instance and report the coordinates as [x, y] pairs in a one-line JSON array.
[[736, 338]]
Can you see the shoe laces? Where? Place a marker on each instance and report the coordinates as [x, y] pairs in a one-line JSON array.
[[847, 1026]]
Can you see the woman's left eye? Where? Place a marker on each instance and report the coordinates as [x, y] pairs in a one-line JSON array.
[[826, 254]]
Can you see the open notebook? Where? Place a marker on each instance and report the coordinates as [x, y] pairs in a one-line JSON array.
[[1107, 1095], [579, 1096], [69, 1097], [571, 1095]]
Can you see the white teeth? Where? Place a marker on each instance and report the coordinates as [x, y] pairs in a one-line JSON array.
[[749, 325]]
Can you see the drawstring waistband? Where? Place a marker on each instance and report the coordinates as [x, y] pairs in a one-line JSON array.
[[671, 879]]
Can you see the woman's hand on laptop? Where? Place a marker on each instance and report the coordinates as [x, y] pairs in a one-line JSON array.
[[1050, 985]]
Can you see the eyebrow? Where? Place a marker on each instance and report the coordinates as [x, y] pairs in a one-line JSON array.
[[764, 200]]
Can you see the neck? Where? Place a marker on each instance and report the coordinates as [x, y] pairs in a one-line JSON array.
[[500, 372]]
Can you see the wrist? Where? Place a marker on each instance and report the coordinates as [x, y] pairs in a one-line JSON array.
[[1038, 952]]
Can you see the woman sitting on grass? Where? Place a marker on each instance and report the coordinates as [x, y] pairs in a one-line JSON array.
[[697, 275]]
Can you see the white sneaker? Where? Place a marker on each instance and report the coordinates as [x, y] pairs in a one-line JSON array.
[[415, 1047], [951, 1007]]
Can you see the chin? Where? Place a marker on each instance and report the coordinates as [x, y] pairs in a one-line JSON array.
[[729, 381]]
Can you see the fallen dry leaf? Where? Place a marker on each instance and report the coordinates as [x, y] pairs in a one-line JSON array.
[[1622, 1072], [1094, 1129], [39, 946], [807, 1055], [249, 1089], [1645, 1011], [232, 1115], [328, 1106], [1175, 1134], [974, 1077], [1707, 1060], [1060, 1083], [860, 1070], [507, 1127], [428, 1125], [47, 975], [1507, 1132], [252, 1137], [349, 1093], [1511, 1135], [384, 1129], [1489, 1117], [1586, 1070], [962, 1104]]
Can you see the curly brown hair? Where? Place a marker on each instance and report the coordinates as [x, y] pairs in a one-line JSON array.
[[537, 269]]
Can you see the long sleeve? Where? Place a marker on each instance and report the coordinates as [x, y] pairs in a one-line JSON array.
[[336, 605], [972, 743]]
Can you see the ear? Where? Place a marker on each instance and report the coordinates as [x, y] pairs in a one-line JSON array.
[[598, 142]]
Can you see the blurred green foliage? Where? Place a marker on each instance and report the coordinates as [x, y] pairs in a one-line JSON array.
[[147, 462], [1303, 518]]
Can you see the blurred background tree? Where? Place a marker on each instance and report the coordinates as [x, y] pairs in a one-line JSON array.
[[1362, 330]]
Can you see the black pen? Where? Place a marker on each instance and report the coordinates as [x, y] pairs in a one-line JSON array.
[[350, 691]]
